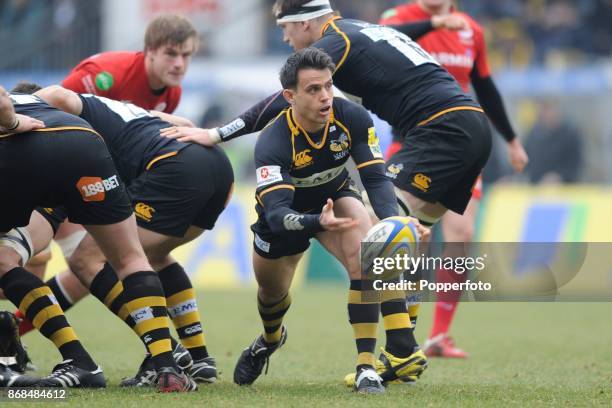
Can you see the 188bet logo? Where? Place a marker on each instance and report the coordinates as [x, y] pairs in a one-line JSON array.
[[95, 188]]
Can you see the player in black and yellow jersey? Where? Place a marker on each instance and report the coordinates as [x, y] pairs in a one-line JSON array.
[[446, 136], [300, 159], [172, 207], [67, 163]]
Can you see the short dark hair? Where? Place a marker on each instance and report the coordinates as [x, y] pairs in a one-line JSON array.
[[307, 58], [26, 88], [169, 29]]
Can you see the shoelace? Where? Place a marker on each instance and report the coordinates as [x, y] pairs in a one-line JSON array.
[[59, 371], [262, 349]]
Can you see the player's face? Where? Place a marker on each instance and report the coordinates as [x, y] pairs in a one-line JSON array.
[[296, 35], [312, 101], [169, 62]]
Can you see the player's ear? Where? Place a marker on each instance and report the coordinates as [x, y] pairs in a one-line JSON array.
[[289, 95]]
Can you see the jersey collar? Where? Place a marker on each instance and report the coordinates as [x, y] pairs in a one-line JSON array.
[[328, 23], [296, 129]]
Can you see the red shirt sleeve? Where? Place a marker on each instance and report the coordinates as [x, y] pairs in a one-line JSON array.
[[89, 77], [481, 63]]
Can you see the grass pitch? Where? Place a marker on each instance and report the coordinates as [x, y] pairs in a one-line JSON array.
[[542, 354]]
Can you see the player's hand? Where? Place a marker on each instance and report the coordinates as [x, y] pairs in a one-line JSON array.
[[424, 232], [453, 22], [189, 134], [518, 155], [27, 124], [329, 221], [173, 119]]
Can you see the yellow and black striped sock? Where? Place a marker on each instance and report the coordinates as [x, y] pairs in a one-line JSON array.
[[183, 309], [108, 289], [146, 304], [398, 329], [272, 318], [363, 309], [37, 302]]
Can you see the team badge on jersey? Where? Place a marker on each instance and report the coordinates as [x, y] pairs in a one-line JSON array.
[[374, 143], [393, 170], [340, 146], [302, 159], [421, 182]]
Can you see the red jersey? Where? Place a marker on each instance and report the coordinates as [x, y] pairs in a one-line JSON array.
[[457, 51], [121, 76]]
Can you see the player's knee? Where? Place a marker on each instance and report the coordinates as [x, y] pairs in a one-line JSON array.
[[16, 246]]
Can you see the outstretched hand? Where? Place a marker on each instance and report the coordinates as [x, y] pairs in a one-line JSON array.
[[424, 232], [189, 134], [329, 221]]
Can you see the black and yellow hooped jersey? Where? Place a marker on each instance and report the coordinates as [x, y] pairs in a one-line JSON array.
[[312, 166], [391, 74]]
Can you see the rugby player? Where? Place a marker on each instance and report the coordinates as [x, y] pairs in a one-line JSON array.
[[303, 192], [446, 136], [150, 79], [172, 208], [93, 195], [463, 53]]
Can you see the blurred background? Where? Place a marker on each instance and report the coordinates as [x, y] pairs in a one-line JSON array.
[[552, 60]]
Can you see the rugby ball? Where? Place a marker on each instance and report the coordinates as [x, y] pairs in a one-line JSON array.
[[390, 237]]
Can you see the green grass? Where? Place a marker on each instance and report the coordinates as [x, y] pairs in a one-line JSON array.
[[538, 354]]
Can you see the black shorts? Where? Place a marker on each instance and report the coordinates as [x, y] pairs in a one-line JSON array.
[[70, 168], [191, 188], [273, 246], [441, 160]]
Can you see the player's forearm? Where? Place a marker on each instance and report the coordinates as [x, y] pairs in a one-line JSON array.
[[380, 190], [8, 119], [253, 119], [491, 101], [285, 220], [414, 30], [282, 219]]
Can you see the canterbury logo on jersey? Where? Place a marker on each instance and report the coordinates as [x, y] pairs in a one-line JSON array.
[[318, 178], [302, 159], [421, 182], [95, 188], [182, 308], [292, 222], [144, 211], [193, 329]]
